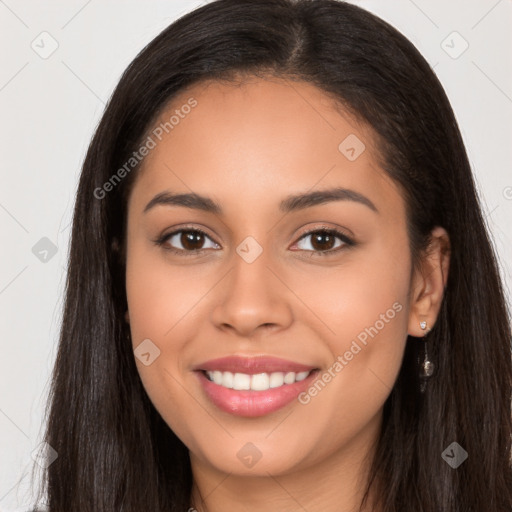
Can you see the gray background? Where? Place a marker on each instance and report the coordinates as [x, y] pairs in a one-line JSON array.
[[50, 105]]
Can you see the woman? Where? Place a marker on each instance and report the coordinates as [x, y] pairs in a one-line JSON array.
[[281, 293]]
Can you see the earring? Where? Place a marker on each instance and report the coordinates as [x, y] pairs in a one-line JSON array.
[[427, 367], [424, 327]]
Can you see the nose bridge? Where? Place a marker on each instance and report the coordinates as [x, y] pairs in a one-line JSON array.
[[251, 276], [252, 294]]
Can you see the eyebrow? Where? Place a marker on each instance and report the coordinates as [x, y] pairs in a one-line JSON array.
[[289, 204]]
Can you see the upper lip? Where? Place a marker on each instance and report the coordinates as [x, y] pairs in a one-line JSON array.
[[253, 365]]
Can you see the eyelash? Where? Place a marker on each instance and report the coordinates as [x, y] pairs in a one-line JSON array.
[[347, 242]]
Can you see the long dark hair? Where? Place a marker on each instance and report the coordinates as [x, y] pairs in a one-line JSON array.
[[115, 453]]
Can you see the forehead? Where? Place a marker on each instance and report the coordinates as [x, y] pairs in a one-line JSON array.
[[258, 140]]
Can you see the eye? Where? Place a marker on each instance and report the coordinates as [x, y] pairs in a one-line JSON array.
[[189, 241], [323, 241]]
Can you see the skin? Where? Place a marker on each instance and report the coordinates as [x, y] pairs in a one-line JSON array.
[[248, 146]]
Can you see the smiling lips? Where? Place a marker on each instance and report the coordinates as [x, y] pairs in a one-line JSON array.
[[253, 386]]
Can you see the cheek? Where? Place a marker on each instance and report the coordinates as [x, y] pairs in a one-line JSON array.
[[163, 304], [365, 297], [365, 307], [349, 395], [161, 297]]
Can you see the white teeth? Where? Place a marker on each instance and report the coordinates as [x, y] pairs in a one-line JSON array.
[[276, 379], [256, 382], [301, 376], [289, 378], [227, 380], [241, 381], [260, 382]]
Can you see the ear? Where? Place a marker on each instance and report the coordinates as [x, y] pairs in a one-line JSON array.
[[429, 282]]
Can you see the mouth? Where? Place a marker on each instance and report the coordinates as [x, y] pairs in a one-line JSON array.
[[253, 387]]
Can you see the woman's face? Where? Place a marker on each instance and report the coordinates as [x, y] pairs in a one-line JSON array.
[[315, 324]]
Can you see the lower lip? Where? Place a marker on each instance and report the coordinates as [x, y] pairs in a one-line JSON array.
[[253, 403]]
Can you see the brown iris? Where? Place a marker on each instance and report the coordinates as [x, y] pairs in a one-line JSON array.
[[189, 239], [322, 237]]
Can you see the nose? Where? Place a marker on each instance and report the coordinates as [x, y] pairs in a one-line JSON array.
[[253, 297]]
